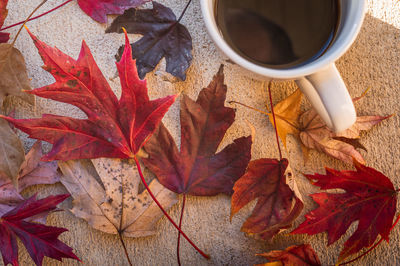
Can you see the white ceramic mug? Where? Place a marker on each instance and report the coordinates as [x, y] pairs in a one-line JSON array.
[[319, 80]]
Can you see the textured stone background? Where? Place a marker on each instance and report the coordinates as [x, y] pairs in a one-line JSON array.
[[372, 62]]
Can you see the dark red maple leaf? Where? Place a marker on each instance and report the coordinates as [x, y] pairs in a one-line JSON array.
[[114, 128], [39, 240], [196, 169], [369, 198], [277, 206], [4, 37], [163, 36], [99, 9], [302, 255]]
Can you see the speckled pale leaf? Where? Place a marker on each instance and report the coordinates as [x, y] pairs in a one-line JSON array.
[[13, 76], [114, 204], [12, 153], [287, 114]]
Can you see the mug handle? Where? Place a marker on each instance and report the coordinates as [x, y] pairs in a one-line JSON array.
[[329, 96]]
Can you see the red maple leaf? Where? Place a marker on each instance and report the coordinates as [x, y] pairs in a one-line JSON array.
[[196, 169], [277, 206], [114, 128], [39, 240], [303, 255], [99, 9], [4, 37], [369, 198]]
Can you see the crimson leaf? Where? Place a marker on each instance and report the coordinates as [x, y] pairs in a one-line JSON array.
[[114, 128], [4, 37], [277, 205], [302, 255], [99, 9], [40, 240], [196, 169], [369, 198]]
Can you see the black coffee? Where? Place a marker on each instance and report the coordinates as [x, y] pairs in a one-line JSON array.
[[278, 33]]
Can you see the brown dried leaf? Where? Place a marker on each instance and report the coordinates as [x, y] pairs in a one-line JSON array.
[[106, 195], [13, 76], [12, 153], [314, 134], [353, 142], [32, 172]]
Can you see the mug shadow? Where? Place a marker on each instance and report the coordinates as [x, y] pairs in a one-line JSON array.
[[373, 59]]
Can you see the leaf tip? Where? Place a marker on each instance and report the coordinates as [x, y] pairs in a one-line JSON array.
[[357, 163], [389, 116], [221, 70], [29, 32], [6, 118], [310, 178], [234, 208], [231, 216], [365, 92], [127, 53], [126, 37]]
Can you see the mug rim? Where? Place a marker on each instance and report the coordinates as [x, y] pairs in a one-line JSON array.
[[292, 73]]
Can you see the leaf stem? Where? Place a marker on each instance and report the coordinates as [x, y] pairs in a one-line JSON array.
[[120, 231], [250, 107], [30, 15], [179, 233], [164, 212], [184, 11], [373, 247], [273, 115], [125, 249], [41, 15], [264, 113]]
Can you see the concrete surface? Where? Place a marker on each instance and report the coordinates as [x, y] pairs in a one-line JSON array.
[[372, 62]]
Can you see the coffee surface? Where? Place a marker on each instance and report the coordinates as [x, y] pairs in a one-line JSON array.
[[278, 33]]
